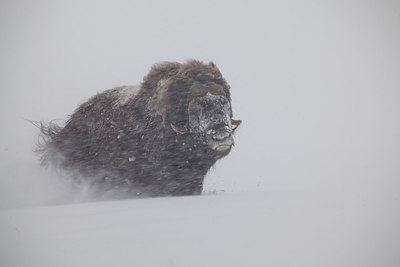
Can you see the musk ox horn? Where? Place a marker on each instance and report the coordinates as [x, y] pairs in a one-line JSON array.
[[216, 89], [179, 130], [235, 123], [196, 91]]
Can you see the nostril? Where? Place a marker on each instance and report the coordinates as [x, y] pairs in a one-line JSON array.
[[211, 132], [222, 127], [220, 136]]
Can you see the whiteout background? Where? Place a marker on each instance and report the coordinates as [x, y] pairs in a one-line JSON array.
[[316, 83]]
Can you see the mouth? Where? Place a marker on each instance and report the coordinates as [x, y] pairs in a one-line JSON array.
[[220, 141]]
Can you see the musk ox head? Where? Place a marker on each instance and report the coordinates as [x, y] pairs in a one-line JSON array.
[[195, 100], [210, 117]]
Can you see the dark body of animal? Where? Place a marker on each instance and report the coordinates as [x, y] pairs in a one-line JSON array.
[[156, 139]]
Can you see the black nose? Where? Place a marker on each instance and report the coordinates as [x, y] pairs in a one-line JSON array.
[[218, 128]]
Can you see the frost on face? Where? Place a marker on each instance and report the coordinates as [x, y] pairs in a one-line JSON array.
[[210, 120], [209, 113], [125, 93]]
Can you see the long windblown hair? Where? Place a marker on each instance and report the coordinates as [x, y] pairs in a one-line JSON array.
[[156, 139]]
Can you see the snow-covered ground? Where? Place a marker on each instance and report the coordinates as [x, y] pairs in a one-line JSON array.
[[258, 229], [313, 179]]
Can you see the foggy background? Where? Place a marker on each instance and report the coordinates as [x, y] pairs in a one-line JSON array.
[[316, 83]]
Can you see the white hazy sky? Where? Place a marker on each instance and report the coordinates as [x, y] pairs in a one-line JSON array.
[[316, 83]]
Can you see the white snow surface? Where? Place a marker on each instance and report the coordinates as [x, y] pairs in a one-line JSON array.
[[258, 229]]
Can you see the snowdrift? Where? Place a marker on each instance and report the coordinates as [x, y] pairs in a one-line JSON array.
[[260, 229]]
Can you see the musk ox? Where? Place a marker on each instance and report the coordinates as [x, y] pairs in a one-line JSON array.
[[156, 139]]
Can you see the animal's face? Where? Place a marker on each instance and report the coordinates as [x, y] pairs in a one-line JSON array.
[[210, 117]]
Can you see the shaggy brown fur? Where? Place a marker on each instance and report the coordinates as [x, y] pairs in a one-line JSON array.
[[130, 140]]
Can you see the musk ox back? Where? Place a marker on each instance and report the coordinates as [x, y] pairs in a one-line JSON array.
[[156, 139]]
